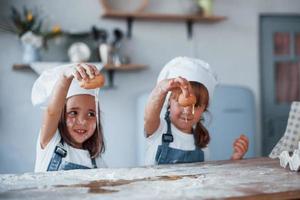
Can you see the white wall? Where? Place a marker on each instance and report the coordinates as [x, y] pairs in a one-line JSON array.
[[231, 47]]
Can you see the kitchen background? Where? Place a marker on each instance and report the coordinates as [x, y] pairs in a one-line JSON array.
[[232, 47]]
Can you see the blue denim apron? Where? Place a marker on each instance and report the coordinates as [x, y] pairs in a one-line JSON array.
[[56, 163], [169, 155]]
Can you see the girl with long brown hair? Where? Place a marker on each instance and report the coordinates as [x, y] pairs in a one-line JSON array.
[[185, 85], [71, 135]]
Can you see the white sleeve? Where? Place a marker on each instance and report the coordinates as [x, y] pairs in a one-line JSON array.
[[152, 143], [43, 156], [158, 132]]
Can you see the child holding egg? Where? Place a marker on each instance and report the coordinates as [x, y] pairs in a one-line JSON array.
[[185, 87], [71, 133]]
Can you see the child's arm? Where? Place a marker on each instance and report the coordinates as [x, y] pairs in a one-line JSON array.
[[240, 147], [57, 100], [157, 99]]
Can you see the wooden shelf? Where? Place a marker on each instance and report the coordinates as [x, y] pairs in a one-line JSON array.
[[188, 19], [162, 17], [125, 67], [20, 66]]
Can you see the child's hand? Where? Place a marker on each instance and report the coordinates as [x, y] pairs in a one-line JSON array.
[[85, 71], [82, 71], [240, 147], [175, 83]]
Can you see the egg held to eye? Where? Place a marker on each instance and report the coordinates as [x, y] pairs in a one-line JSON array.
[[187, 101], [97, 82]]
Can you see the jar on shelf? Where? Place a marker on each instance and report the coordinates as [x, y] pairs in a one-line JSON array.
[[206, 6]]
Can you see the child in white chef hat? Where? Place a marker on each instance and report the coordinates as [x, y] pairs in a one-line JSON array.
[[71, 134], [180, 137]]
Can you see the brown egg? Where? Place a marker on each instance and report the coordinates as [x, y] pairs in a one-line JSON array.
[[97, 82], [187, 101]]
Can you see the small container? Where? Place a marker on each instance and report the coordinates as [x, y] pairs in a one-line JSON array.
[[206, 6]]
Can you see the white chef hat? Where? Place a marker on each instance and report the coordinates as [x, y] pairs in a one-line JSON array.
[[43, 86], [191, 69]]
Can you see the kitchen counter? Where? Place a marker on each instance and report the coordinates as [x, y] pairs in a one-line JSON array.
[[257, 178]]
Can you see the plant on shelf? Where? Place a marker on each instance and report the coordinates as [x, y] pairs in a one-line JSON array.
[[28, 26]]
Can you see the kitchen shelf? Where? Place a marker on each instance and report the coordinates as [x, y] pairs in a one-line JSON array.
[[162, 17], [189, 19], [109, 68], [124, 67]]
